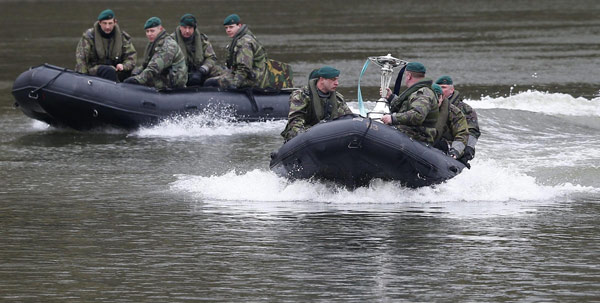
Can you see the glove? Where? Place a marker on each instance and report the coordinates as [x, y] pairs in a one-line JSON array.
[[453, 153], [212, 82], [194, 79], [469, 153], [203, 70], [131, 80]]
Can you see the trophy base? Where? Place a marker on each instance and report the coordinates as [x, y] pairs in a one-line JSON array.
[[381, 108]]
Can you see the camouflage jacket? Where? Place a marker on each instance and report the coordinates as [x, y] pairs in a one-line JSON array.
[[307, 108], [457, 100], [198, 52], [94, 50], [415, 111], [246, 61], [164, 64], [452, 126]]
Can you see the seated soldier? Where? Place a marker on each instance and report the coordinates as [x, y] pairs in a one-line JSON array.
[[164, 62], [415, 111], [200, 57], [105, 50], [318, 101], [456, 99], [451, 126], [246, 58]]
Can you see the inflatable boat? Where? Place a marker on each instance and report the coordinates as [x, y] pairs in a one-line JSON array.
[[354, 150], [64, 98]]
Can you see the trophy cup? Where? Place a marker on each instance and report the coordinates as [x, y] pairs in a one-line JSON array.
[[387, 64]]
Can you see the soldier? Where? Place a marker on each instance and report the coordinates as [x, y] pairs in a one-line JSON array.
[[318, 101], [313, 74], [451, 126], [415, 111], [457, 100], [200, 57], [246, 58], [105, 50], [164, 62]]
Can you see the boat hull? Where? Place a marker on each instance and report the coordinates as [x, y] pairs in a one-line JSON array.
[[353, 150], [63, 98]]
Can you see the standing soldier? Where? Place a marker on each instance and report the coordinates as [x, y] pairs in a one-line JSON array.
[[318, 101], [456, 99], [415, 111], [451, 126], [105, 50], [200, 57], [246, 58], [164, 62]]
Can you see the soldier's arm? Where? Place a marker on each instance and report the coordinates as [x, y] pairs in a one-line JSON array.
[[136, 71], [471, 117], [417, 111], [82, 56], [210, 57], [342, 104], [297, 115], [242, 64], [162, 59], [129, 53], [458, 126]]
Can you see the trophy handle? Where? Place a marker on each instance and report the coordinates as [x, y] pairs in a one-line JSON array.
[[387, 64]]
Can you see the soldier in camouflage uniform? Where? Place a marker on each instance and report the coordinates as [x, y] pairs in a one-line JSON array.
[[246, 58], [451, 126], [200, 57], [415, 111], [457, 100], [318, 101], [105, 50], [164, 62]]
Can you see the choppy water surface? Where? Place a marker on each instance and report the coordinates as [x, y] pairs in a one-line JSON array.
[[188, 210]]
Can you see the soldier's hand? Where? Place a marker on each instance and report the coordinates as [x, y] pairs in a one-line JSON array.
[[119, 67], [203, 70], [469, 153], [386, 119], [453, 153], [131, 80], [388, 92]]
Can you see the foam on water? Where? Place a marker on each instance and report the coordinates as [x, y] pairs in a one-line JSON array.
[[39, 125], [542, 102], [207, 125], [487, 181]]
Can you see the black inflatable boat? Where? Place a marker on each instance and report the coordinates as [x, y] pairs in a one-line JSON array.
[[353, 150], [64, 98]]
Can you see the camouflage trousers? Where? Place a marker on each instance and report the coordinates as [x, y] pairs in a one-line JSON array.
[[167, 81], [216, 70], [227, 78], [419, 133]]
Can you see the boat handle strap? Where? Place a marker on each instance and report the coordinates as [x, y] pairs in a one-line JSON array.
[[48, 83], [250, 96]]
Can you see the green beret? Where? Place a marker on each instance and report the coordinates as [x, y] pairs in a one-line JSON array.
[[188, 20], [106, 14], [327, 72], [415, 67], [444, 80], [313, 74], [437, 89], [152, 22], [231, 19]]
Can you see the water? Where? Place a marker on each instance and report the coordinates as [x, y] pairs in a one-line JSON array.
[[188, 210]]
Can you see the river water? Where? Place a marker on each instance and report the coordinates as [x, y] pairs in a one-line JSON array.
[[188, 210]]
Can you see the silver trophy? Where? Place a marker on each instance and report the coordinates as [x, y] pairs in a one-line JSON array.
[[387, 64]]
